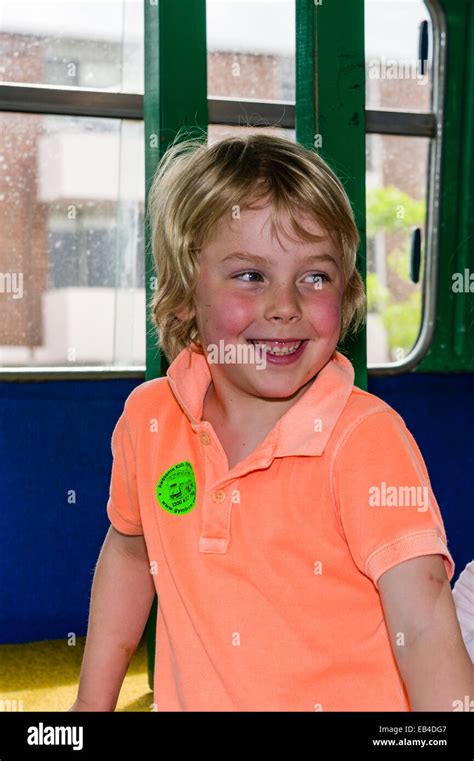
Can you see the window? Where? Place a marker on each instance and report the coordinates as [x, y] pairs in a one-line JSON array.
[[403, 40], [72, 291], [251, 49], [72, 188], [251, 66]]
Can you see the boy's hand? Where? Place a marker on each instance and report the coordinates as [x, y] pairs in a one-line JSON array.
[[425, 635]]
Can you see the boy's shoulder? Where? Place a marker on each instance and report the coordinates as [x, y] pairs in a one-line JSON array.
[[146, 396], [361, 400], [363, 406], [369, 428]]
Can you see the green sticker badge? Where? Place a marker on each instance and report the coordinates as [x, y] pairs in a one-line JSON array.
[[176, 489]]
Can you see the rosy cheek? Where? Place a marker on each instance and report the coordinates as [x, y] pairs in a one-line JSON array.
[[326, 316], [226, 317], [230, 316]]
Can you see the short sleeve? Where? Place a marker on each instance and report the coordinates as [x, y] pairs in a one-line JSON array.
[[383, 497], [123, 506]]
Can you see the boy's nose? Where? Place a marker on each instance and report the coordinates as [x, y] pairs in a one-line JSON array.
[[283, 302]]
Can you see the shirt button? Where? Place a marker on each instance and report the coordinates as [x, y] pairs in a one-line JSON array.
[[205, 438], [218, 495]]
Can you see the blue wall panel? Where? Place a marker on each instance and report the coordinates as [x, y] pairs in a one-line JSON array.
[[439, 411], [55, 437]]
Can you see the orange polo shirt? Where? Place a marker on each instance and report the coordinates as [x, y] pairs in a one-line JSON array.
[[267, 574]]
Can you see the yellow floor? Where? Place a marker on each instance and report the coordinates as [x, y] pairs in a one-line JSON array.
[[45, 676]]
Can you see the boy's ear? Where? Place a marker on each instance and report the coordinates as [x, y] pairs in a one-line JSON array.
[[187, 313]]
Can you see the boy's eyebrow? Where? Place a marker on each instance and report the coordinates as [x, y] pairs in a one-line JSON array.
[[247, 256]]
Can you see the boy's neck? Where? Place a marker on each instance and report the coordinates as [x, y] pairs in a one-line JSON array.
[[246, 412]]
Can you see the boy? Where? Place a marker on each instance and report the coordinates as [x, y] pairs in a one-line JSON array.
[[284, 517]]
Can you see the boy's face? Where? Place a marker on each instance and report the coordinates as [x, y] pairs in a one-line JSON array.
[[291, 296]]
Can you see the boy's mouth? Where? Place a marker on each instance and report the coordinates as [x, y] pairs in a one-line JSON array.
[[277, 346]]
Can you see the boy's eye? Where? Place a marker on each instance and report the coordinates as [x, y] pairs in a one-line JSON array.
[[249, 272], [320, 276]]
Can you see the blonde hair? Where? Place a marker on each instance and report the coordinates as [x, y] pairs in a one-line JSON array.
[[196, 185]]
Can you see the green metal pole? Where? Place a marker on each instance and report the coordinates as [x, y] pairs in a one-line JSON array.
[[175, 97], [330, 112], [452, 346]]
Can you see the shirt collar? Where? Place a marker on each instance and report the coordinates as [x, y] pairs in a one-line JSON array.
[[304, 429]]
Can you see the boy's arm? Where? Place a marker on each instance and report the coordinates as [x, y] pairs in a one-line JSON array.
[[122, 595], [425, 635]]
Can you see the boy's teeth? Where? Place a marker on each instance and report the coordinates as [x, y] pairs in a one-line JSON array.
[[279, 349]]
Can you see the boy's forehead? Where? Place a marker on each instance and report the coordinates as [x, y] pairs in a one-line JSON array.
[[253, 227]]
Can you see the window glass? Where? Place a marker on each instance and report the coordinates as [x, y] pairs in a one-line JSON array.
[[397, 181], [251, 49], [395, 78], [71, 241], [219, 131], [399, 75], [73, 43]]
